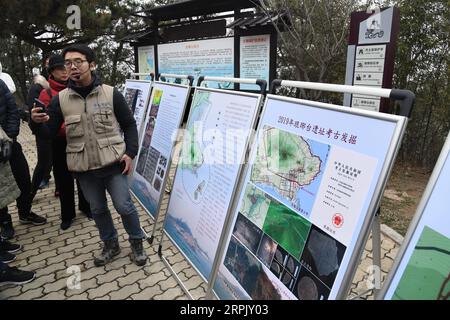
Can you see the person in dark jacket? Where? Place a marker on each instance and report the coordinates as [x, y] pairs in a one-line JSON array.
[[41, 173], [100, 157], [10, 123], [58, 77]]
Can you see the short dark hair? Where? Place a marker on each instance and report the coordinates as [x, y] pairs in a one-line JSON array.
[[81, 48]]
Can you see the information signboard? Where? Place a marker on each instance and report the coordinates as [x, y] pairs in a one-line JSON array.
[[254, 59], [370, 55], [214, 145], [421, 270], [146, 61], [213, 57], [164, 115], [310, 189]]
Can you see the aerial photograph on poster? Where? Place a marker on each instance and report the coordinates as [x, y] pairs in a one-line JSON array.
[[287, 228], [427, 275], [322, 256], [195, 172], [308, 287], [248, 233], [289, 167], [254, 205]]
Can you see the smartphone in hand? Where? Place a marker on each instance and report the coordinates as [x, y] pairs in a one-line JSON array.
[[40, 104]]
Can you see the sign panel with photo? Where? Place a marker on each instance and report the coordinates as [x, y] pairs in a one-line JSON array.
[[307, 191], [164, 115]]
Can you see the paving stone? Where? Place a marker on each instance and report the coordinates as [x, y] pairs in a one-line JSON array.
[[132, 278], [153, 279], [110, 276], [54, 296], [82, 296], [102, 290], [125, 292], [10, 291], [40, 281], [59, 285], [147, 294], [169, 294], [30, 294], [85, 284]]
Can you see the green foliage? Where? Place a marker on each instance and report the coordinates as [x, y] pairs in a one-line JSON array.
[[422, 66], [30, 30]]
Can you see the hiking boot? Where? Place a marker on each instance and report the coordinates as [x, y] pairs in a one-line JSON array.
[[9, 247], [6, 257], [32, 218], [12, 275], [137, 252], [110, 249], [7, 230]]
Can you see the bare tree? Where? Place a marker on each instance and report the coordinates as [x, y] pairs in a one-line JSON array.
[[313, 38]]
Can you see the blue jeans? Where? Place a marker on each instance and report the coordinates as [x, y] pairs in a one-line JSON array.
[[94, 188]]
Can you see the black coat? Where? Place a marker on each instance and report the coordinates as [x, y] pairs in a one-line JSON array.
[[9, 114]]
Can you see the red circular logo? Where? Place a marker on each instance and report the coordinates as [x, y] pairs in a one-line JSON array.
[[338, 220]]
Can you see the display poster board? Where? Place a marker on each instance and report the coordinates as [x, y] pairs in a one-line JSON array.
[[215, 142], [213, 58], [137, 93], [146, 61], [308, 189], [164, 115], [421, 270], [254, 59]]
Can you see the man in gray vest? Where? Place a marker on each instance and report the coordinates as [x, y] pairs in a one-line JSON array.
[[95, 115]]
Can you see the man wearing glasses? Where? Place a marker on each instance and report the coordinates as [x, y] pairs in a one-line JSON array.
[[95, 116]]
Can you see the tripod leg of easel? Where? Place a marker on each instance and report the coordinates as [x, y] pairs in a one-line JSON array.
[[376, 249]]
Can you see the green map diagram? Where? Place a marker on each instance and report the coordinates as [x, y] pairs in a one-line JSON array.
[[285, 163], [195, 172], [427, 275], [255, 205]]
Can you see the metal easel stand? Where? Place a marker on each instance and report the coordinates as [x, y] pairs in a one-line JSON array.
[[162, 77], [263, 85]]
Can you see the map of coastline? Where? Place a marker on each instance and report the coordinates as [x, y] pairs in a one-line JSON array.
[[289, 167], [195, 172]]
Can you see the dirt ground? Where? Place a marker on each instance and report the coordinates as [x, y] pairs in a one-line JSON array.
[[402, 195]]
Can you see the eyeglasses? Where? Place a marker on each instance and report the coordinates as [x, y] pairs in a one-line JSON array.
[[77, 62]]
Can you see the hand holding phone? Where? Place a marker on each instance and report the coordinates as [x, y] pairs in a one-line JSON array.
[[39, 104]]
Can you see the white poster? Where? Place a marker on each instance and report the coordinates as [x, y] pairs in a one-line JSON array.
[[214, 57], [423, 270], [164, 115], [254, 59], [146, 61], [136, 95], [306, 193], [215, 141]]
